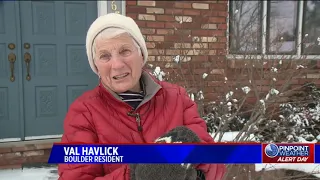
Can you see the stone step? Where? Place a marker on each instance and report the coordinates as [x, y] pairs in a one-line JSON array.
[[16, 155]]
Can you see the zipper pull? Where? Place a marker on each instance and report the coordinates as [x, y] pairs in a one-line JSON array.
[[138, 122]]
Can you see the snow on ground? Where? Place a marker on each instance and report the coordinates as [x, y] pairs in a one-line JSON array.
[[229, 136], [44, 173], [307, 168]]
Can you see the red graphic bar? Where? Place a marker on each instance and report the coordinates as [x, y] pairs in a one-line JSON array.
[[288, 153]]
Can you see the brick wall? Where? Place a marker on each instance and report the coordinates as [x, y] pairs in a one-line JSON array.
[[197, 31], [18, 154]]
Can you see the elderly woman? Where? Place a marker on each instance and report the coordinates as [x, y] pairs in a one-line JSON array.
[[130, 106]]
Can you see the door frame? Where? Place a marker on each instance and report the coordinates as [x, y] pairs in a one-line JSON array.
[[102, 9]]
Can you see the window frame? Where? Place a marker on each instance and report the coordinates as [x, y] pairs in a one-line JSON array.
[[260, 28], [264, 55]]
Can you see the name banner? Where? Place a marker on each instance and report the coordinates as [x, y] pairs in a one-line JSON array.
[[233, 153]]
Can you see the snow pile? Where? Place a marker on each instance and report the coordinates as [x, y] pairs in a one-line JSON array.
[[158, 73], [313, 169], [44, 173]]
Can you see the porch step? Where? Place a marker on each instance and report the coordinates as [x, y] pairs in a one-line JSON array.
[[16, 155]]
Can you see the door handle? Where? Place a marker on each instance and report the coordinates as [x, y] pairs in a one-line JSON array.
[[27, 59], [12, 59]]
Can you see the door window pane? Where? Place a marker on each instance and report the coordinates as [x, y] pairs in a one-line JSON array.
[[282, 27], [311, 28], [245, 27]]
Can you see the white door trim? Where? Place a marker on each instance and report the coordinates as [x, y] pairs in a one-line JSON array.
[[103, 7]]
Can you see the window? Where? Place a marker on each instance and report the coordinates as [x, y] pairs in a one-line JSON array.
[[274, 27]]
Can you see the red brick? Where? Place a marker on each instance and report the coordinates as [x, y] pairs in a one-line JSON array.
[[141, 23], [136, 9], [191, 12], [222, 39], [164, 45], [146, 3], [194, 25], [202, 32], [15, 166], [173, 25], [150, 45], [200, 71], [222, 26], [221, 52], [209, 13], [212, 96], [16, 160], [215, 83], [222, 13], [218, 32], [172, 38], [165, 18], [165, 4], [218, 7], [155, 24], [217, 45], [173, 11], [155, 10], [182, 5], [131, 3], [33, 153], [10, 155], [36, 159], [317, 81], [27, 147], [132, 15], [200, 58], [145, 31], [44, 146], [222, 2], [217, 20], [5, 150], [165, 31], [155, 38], [217, 72]]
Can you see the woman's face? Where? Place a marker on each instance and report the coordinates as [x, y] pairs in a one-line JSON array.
[[119, 63]]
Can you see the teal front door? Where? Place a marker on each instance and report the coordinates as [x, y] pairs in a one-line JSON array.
[[54, 69], [10, 82]]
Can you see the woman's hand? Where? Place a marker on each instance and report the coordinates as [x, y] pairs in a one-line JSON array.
[[179, 134]]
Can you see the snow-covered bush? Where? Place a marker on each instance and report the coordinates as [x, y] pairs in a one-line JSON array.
[[298, 120], [222, 117]]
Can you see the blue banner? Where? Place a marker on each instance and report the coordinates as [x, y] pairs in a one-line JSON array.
[[157, 153], [317, 155]]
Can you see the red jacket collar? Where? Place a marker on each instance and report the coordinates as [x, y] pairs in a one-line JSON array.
[[150, 83]]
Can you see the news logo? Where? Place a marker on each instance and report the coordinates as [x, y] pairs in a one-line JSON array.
[[271, 150], [288, 153]]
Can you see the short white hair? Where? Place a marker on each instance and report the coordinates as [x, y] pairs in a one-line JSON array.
[[110, 33]]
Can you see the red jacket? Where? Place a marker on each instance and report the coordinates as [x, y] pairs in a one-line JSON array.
[[98, 116]]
